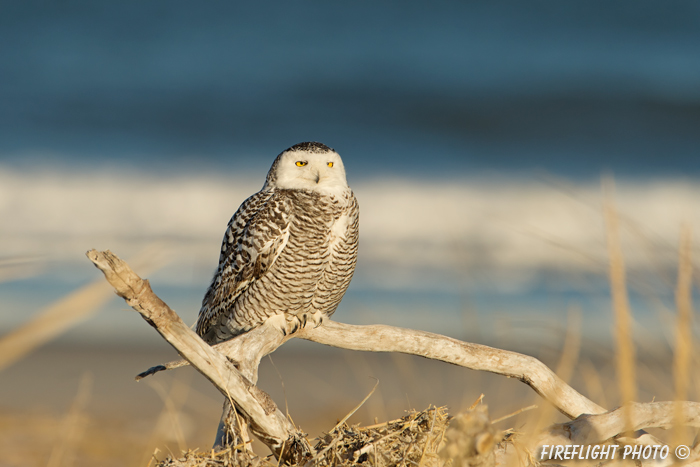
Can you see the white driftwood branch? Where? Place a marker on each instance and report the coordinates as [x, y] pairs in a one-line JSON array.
[[531, 371], [252, 346], [380, 338], [606, 428], [267, 422], [594, 429], [246, 350]]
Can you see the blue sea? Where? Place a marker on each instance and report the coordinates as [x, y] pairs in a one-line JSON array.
[[400, 88], [465, 127]]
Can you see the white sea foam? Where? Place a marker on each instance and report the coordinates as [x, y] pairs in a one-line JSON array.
[[413, 233]]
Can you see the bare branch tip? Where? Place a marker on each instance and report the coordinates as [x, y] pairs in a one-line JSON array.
[[151, 371], [93, 255], [101, 259]]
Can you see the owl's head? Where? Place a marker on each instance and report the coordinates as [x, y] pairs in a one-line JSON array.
[[308, 166]]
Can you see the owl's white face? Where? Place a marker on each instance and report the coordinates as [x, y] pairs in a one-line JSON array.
[[322, 172]]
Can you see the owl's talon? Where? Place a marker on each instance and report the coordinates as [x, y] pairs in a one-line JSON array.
[[320, 322], [315, 318]]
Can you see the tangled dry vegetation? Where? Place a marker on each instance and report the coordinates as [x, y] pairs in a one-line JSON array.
[[429, 438], [414, 439]]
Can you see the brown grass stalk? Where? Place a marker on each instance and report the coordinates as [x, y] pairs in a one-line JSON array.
[[52, 321], [684, 346], [19, 267], [65, 313], [73, 425], [572, 346], [625, 353], [593, 382], [565, 367], [173, 400]]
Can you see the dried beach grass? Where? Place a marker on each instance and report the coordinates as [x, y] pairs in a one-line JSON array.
[[68, 311], [412, 440]]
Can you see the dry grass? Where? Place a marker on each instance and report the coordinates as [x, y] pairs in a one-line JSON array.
[[34, 438], [53, 321], [626, 374], [65, 313], [411, 440], [19, 267], [73, 425], [684, 331]]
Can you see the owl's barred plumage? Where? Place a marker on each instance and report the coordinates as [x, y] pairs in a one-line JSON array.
[[289, 250]]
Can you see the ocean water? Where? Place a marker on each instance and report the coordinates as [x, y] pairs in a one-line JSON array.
[[474, 136], [399, 88], [461, 257]]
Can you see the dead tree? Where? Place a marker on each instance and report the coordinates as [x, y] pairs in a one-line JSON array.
[[232, 367]]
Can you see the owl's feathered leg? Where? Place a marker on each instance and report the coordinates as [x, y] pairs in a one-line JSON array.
[[294, 324], [289, 324], [279, 321]]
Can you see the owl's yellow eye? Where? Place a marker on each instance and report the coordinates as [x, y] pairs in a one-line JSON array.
[[301, 163], [330, 164]]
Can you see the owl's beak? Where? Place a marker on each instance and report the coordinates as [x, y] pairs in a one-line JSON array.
[[318, 176]]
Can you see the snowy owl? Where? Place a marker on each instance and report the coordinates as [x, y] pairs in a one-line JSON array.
[[289, 251]]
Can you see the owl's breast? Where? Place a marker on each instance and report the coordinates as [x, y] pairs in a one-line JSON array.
[[338, 231], [316, 265]]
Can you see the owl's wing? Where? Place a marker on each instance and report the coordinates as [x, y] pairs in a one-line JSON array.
[[255, 237]]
